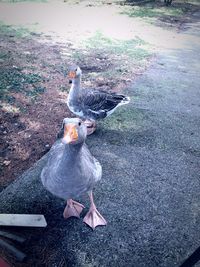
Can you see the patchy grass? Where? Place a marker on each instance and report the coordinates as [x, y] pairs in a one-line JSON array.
[[152, 12], [130, 48], [13, 80], [157, 11], [125, 119], [14, 77], [128, 122], [18, 32], [31, 106], [107, 60]]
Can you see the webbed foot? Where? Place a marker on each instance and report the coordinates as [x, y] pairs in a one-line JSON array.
[[93, 218], [72, 209]]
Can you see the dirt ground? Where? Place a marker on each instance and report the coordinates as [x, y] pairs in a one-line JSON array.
[[34, 75]]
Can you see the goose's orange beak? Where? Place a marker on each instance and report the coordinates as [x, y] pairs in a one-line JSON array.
[[72, 74], [70, 134]]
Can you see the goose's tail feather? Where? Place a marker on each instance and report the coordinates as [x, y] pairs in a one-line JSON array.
[[121, 99], [125, 100]]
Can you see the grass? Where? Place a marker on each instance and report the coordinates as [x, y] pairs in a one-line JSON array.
[[12, 78], [130, 48], [128, 122], [16, 81], [111, 60], [19, 32], [151, 12], [125, 118], [123, 52]]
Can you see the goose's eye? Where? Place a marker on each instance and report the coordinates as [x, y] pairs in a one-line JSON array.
[[79, 124], [75, 69]]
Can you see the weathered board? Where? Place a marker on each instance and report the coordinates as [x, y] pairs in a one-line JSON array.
[[25, 220]]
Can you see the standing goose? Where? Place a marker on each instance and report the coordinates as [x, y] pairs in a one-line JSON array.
[[71, 171], [91, 105]]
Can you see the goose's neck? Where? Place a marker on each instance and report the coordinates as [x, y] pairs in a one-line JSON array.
[[75, 88], [72, 151], [77, 82]]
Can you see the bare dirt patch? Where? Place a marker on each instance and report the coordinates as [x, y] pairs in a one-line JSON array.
[[32, 103]]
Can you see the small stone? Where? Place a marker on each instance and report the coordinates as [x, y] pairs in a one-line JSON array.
[[4, 132], [87, 83], [6, 162], [47, 145]]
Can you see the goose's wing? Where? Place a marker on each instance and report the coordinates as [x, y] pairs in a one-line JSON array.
[[101, 101], [93, 100]]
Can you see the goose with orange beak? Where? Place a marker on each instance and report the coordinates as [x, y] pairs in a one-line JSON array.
[[71, 171], [91, 105]]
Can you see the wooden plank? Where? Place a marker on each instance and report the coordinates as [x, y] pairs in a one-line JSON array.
[[25, 220]]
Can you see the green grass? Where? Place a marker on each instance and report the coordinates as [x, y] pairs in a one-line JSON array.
[[125, 118], [132, 49], [19, 32], [155, 10], [112, 59], [128, 122], [151, 12], [12, 78], [16, 81]]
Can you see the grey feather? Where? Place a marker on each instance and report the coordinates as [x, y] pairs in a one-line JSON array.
[[71, 170], [92, 104]]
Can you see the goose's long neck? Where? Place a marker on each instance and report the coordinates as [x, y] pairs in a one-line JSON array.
[[72, 152], [75, 89]]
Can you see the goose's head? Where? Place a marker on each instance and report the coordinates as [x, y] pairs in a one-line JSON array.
[[74, 72], [74, 131]]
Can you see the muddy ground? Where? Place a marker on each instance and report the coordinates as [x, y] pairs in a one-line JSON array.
[[34, 87]]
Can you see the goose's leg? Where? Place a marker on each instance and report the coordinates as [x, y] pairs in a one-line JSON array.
[[72, 208], [91, 126], [93, 218]]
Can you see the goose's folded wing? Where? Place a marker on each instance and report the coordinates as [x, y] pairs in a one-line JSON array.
[[98, 101]]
